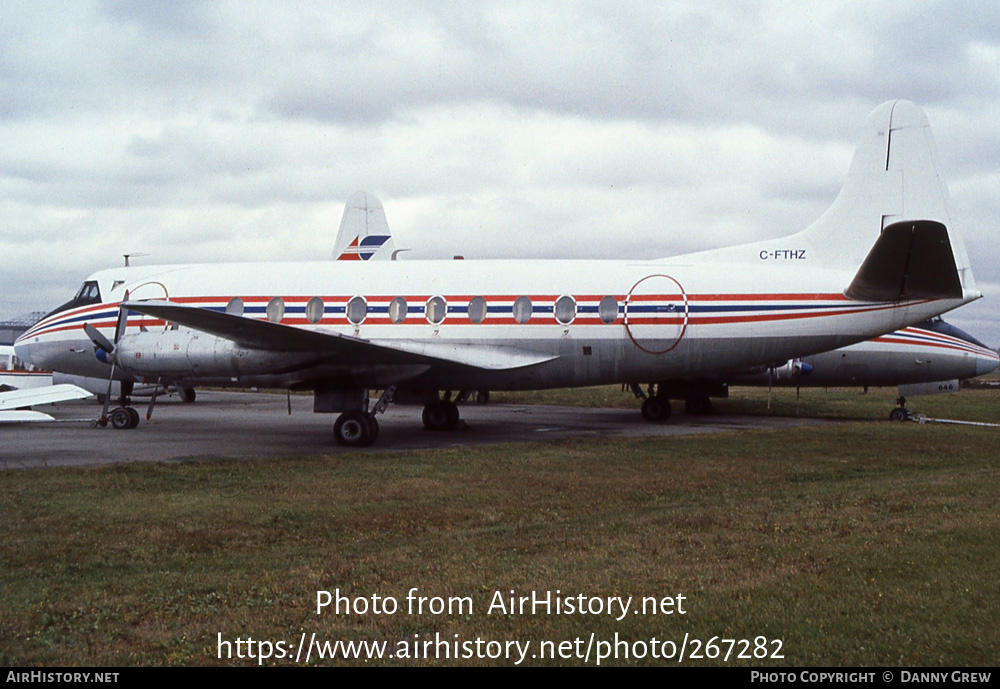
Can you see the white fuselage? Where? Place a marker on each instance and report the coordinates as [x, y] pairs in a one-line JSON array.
[[904, 357], [684, 317]]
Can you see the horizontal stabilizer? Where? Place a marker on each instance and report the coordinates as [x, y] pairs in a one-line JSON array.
[[19, 399], [24, 417], [264, 335], [910, 260]]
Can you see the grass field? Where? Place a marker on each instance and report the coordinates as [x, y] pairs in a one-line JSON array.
[[862, 543]]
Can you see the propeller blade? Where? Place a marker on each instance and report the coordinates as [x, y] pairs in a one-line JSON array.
[[152, 400], [122, 320], [101, 341], [98, 339]]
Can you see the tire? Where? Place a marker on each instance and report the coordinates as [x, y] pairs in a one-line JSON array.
[[373, 429], [899, 414], [133, 416], [435, 417], [121, 419], [453, 415], [656, 409], [188, 395], [353, 429], [440, 416]]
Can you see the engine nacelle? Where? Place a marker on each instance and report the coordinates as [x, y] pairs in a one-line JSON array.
[[791, 369], [192, 354]]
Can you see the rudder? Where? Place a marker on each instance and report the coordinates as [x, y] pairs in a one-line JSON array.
[[893, 178]]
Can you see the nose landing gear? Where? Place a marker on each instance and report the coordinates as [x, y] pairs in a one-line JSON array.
[[900, 413]]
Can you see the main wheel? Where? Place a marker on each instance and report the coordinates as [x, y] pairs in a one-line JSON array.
[[453, 415], [354, 429], [373, 428], [656, 409], [440, 416]]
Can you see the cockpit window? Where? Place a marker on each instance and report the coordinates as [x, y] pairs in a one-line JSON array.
[[89, 293]]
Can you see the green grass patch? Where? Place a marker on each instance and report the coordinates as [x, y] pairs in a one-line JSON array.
[[853, 544], [828, 403]]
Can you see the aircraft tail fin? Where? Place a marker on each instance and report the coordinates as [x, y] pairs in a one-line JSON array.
[[894, 197], [364, 231]]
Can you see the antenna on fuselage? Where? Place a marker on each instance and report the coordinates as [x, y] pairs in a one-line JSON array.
[[128, 256]]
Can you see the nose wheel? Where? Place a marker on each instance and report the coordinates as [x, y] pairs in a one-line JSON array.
[[900, 413], [123, 418]]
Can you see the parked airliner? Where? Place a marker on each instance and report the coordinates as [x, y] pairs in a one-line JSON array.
[[885, 256], [928, 358]]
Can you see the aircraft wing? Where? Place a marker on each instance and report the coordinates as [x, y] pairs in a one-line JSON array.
[[254, 334], [19, 399]]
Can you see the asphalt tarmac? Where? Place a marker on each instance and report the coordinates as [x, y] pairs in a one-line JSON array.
[[253, 425]]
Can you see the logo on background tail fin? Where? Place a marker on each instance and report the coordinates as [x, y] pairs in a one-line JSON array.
[[364, 231]]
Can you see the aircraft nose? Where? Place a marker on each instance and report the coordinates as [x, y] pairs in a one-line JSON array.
[[23, 351], [986, 365]]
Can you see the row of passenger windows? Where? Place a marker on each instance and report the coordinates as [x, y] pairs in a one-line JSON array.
[[435, 309]]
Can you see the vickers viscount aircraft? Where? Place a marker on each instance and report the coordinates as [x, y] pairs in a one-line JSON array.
[[929, 358], [883, 257]]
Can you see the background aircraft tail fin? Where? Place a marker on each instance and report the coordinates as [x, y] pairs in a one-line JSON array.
[[364, 231], [894, 179]]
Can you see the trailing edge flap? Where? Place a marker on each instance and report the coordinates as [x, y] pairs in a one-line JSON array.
[[255, 334], [910, 260]]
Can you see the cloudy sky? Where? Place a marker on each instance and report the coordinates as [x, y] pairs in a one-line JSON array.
[[218, 131]]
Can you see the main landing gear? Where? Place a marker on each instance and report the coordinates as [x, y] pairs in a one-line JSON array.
[[359, 427], [656, 409], [356, 429], [656, 397]]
